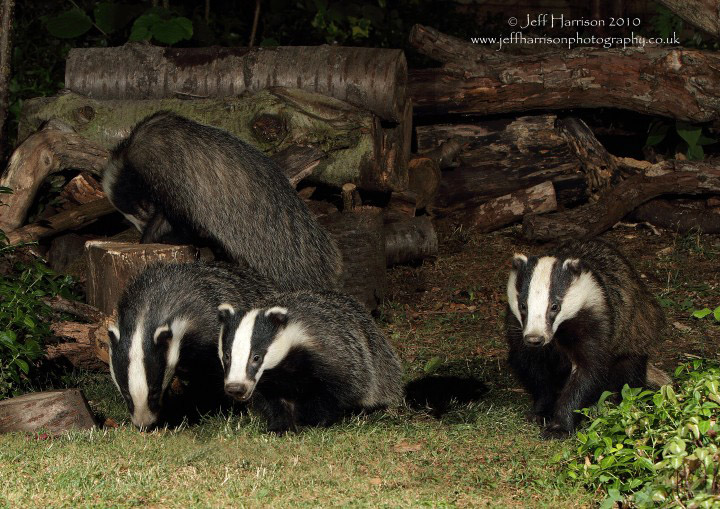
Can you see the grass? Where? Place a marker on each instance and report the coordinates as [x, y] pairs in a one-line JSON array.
[[480, 454], [445, 315]]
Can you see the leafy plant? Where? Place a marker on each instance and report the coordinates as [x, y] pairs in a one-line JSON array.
[[687, 138], [23, 324], [707, 312], [654, 447]]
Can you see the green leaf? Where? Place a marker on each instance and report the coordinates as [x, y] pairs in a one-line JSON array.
[[173, 30], [110, 17], [657, 133], [142, 27], [689, 133], [69, 24], [716, 314], [701, 313], [23, 365], [695, 153]]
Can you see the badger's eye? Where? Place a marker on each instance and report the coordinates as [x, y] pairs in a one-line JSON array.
[[256, 358], [554, 306], [522, 306], [226, 357]]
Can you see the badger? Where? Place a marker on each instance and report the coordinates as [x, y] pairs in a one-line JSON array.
[[179, 181], [307, 359], [580, 322], [167, 326]]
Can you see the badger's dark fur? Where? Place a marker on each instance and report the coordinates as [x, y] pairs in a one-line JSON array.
[[180, 181], [307, 359], [167, 326], [580, 321]]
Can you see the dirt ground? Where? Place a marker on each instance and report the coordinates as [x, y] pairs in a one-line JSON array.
[[447, 315]]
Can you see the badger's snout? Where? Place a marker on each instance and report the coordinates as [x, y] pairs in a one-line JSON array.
[[240, 390], [533, 340]]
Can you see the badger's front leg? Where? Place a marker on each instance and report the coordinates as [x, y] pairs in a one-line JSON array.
[[583, 388], [279, 413]]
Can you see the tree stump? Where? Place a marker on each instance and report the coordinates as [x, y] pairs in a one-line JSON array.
[[52, 411], [360, 237], [111, 266]]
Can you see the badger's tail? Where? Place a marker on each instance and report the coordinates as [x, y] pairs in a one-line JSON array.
[[435, 393], [656, 377]]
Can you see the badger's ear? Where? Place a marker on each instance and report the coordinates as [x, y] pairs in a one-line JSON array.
[[163, 335], [519, 261], [225, 312], [573, 265], [277, 315], [113, 334]]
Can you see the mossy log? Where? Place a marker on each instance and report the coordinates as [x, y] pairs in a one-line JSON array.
[[359, 148]]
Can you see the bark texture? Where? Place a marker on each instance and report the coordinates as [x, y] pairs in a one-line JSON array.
[[369, 78], [6, 17], [359, 148], [111, 266], [673, 82], [411, 239], [504, 156], [51, 411], [703, 14], [668, 177]]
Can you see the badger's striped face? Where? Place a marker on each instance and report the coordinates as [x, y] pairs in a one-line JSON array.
[[253, 343], [543, 292], [143, 358]]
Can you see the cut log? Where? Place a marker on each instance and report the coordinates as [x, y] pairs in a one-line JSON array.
[[78, 309], [298, 162], [50, 411], [505, 210], [77, 217], [369, 78], [668, 177], [82, 188], [86, 344], [424, 177], [350, 197], [400, 206], [656, 80], [111, 266], [54, 148], [678, 216], [504, 156], [360, 237], [411, 240], [359, 148], [703, 14]]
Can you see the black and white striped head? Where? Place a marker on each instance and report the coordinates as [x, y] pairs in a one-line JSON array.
[[253, 343], [543, 292], [143, 356]]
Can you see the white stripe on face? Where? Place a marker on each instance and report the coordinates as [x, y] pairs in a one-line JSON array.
[[178, 328], [137, 380], [584, 293], [538, 298], [512, 295], [240, 352]]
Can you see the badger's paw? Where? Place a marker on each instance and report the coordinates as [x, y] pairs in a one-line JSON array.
[[554, 431]]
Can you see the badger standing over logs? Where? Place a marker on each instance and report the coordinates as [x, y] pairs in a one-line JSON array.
[[167, 326], [307, 359], [580, 322], [179, 181]]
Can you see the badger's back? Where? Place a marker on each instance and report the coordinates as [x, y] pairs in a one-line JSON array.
[[636, 320], [227, 193], [347, 346]]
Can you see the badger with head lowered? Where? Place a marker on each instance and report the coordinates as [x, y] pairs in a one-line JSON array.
[[580, 322], [167, 326], [179, 181], [307, 359]]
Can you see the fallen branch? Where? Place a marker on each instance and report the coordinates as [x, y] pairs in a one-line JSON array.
[[668, 177]]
